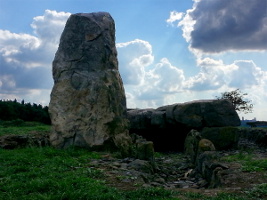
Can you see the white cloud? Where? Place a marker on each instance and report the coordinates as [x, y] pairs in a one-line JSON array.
[[183, 20], [30, 95], [133, 57], [174, 17], [246, 75], [7, 82], [49, 26], [11, 41], [26, 60], [215, 75], [167, 78], [28, 50], [211, 76], [158, 83], [13, 46], [219, 26]]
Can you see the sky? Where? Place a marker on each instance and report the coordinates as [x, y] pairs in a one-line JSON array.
[[169, 51]]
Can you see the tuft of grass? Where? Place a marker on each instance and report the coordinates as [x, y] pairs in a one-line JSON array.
[[23, 128], [192, 195], [150, 194], [48, 173], [248, 161], [219, 196], [227, 196], [258, 192]]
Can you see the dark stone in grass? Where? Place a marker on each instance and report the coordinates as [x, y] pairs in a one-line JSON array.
[[20, 141], [13, 141]]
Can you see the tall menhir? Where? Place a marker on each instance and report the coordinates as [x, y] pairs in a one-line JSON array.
[[88, 104]]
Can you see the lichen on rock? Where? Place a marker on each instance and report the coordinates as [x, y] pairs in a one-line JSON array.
[[88, 104]]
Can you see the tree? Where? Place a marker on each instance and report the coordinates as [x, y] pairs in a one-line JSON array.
[[238, 100]]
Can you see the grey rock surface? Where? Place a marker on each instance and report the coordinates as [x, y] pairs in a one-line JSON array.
[[168, 126], [191, 145], [88, 104], [31, 139], [223, 138], [195, 114], [202, 113]]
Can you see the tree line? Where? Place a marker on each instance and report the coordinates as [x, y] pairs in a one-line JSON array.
[[14, 110]]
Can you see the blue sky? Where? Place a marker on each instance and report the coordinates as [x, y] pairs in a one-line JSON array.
[[169, 51]]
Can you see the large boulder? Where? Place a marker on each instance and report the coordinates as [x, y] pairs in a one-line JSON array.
[[88, 104], [168, 126], [222, 137], [202, 113]]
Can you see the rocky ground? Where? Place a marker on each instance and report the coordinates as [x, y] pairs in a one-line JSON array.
[[169, 170], [174, 171]]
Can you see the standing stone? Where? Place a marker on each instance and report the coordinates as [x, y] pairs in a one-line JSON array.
[[191, 145], [88, 104]]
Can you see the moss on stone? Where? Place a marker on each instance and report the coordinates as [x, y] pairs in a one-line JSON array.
[[222, 137]]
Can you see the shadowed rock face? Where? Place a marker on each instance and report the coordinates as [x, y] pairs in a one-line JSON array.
[[88, 105], [168, 126]]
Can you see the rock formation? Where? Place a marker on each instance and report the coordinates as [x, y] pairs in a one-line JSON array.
[[191, 145], [31, 139], [223, 138], [168, 126], [88, 105]]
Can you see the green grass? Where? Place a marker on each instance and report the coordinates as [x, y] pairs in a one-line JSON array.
[[248, 161], [258, 192], [43, 173], [219, 196], [23, 128], [48, 173]]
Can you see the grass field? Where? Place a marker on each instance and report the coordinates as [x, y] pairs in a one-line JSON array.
[[48, 173], [21, 128], [248, 161]]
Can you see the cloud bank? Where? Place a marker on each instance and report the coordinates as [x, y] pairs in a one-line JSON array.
[[147, 84], [26, 59], [218, 26], [134, 56], [229, 25]]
